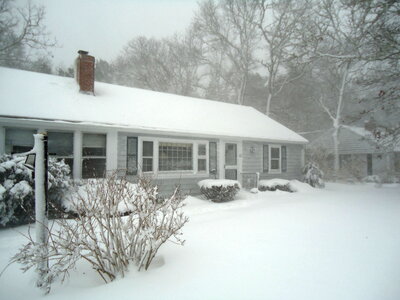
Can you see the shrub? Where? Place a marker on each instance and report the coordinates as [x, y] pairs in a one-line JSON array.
[[17, 199], [103, 237], [274, 184], [313, 175], [219, 190]]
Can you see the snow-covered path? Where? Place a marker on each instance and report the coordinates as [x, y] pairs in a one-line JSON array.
[[339, 243]]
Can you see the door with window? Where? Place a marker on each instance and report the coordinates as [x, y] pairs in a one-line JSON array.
[[231, 161]]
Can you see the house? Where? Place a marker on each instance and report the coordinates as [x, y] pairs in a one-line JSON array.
[[360, 154], [99, 127]]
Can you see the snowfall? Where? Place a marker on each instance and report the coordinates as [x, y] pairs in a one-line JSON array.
[[341, 242]]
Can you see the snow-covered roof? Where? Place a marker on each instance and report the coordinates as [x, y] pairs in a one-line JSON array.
[[41, 96]]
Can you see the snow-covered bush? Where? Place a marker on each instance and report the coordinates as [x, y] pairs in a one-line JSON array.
[[17, 200], [103, 237], [313, 175], [16, 192], [274, 184], [291, 186], [219, 190]]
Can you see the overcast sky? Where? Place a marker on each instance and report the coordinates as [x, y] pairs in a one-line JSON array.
[[103, 27]]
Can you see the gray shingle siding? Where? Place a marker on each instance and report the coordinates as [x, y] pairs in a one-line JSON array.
[[253, 161]]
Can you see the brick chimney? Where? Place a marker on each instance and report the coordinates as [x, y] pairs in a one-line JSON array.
[[84, 72]]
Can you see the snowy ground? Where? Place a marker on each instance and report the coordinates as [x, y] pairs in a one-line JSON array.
[[339, 243]]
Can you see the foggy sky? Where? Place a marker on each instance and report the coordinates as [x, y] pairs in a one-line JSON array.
[[103, 27]]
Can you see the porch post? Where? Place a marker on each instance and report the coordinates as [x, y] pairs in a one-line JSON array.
[[77, 172], [2, 140], [112, 151]]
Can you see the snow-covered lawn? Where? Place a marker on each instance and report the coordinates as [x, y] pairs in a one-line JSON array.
[[342, 242]]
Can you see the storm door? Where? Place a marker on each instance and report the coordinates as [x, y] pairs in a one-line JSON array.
[[231, 165]]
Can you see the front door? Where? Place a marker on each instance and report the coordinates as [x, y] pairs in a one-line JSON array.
[[231, 165]]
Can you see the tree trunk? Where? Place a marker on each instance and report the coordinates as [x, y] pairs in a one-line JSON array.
[[336, 121]]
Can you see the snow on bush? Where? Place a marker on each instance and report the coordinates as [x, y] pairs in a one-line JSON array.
[[219, 190], [313, 175], [283, 185], [17, 200], [16, 192], [83, 193], [101, 236], [274, 184]]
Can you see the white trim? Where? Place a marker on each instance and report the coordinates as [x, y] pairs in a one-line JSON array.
[[274, 171], [173, 174]]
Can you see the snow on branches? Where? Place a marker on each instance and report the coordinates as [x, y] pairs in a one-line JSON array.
[[110, 240]]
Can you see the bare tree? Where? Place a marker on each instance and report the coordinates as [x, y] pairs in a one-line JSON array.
[[343, 38], [279, 23], [229, 33], [167, 65], [21, 30]]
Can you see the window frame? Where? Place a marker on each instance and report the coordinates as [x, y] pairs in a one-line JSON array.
[[270, 159], [203, 157], [85, 157], [174, 173], [59, 157]]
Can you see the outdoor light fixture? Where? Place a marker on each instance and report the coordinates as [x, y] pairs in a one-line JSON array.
[[252, 149], [30, 161]]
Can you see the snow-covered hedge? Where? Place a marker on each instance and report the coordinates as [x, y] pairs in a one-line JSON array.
[[283, 185], [274, 184], [313, 175], [99, 234], [16, 189], [219, 190]]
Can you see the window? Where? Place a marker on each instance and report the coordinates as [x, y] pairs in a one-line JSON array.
[[131, 156], [275, 159], [147, 160], [213, 159], [344, 160], [175, 157], [61, 145], [93, 155], [19, 140], [397, 161], [369, 164], [201, 158]]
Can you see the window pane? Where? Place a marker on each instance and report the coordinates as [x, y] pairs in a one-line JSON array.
[[131, 157], [147, 148], [131, 145], [94, 144], [201, 164], [60, 143], [274, 164], [93, 151], [93, 167], [175, 157], [213, 157], [94, 140], [274, 152], [202, 149], [147, 165], [19, 140], [230, 154], [231, 174]]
